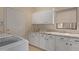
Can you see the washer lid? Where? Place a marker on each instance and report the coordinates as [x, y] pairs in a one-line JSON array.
[[8, 40]]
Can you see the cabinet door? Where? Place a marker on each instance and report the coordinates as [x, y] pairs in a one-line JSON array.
[[74, 44], [37, 39], [31, 38], [34, 39], [62, 44], [42, 17], [50, 43], [42, 41]]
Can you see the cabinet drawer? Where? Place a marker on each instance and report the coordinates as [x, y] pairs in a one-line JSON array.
[[61, 37], [42, 36], [75, 41]]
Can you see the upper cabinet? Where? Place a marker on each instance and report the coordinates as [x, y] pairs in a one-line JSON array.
[[43, 17]]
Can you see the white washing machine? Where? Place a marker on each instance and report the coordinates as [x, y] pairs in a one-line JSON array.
[[13, 43]]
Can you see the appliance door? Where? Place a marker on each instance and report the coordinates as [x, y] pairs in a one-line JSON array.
[[13, 44]]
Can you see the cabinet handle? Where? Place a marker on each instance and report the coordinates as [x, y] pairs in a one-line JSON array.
[[61, 38], [76, 40], [70, 44]]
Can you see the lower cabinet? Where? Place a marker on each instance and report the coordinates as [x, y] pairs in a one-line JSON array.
[[50, 43], [53, 42], [43, 41], [62, 43], [47, 42], [34, 39], [67, 44]]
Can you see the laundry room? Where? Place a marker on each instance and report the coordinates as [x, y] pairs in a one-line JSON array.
[[39, 29]]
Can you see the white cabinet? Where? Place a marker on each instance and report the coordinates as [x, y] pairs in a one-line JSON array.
[[50, 43], [67, 44], [43, 41], [62, 43], [43, 17], [47, 42], [34, 39], [38, 39], [54, 43]]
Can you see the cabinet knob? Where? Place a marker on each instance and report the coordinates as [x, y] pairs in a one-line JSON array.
[[66, 43], [47, 39]]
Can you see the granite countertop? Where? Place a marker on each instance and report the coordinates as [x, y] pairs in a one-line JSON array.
[[62, 34]]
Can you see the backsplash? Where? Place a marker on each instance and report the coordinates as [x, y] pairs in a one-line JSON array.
[[51, 28], [72, 26]]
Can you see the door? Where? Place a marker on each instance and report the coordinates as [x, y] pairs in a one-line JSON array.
[[50, 43], [62, 43], [74, 44]]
